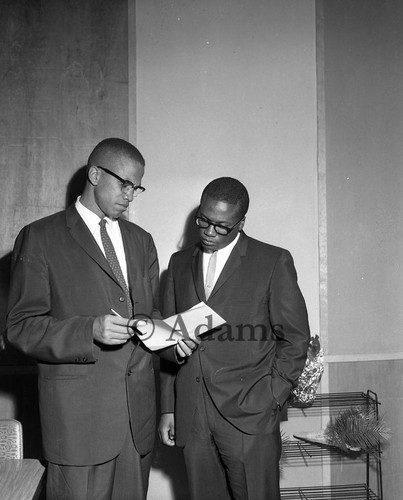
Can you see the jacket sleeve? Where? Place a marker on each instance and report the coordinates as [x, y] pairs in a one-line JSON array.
[[289, 320], [30, 325]]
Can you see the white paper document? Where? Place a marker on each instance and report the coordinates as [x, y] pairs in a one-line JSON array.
[[159, 334]]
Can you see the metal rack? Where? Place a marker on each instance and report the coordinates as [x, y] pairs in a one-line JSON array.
[[338, 401], [346, 492], [304, 453]]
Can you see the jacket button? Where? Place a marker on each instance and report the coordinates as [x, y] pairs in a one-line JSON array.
[[197, 379], [202, 348], [121, 299]]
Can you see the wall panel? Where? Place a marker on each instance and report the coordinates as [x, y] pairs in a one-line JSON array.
[[363, 75], [228, 88], [63, 88]]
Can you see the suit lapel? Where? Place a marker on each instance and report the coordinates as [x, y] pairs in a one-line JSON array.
[[232, 264], [197, 272], [130, 248], [82, 235]]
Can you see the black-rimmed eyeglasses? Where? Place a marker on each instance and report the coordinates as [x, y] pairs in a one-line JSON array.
[[218, 228], [126, 185]]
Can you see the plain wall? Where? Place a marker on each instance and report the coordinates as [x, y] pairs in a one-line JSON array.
[[364, 152], [63, 88], [228, 88], [363, 100]]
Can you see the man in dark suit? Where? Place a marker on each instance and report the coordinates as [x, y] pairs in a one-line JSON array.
[[223, 404], [79, 278]]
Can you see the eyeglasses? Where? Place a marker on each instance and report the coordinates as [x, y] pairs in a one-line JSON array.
[[126, 185], [218, 228]]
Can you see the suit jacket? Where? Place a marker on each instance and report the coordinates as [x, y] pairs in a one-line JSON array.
[[88, 392], [251, 363]]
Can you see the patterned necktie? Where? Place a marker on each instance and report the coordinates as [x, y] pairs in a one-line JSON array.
[[208, 287], [114, 264]]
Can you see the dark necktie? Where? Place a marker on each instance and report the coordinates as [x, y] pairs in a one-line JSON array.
[[114, 264]]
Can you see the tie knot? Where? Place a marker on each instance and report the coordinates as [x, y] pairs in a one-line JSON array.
[[102, 223]]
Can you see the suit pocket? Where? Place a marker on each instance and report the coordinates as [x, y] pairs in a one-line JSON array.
[[250, 392], [64, 371], [257, 394]]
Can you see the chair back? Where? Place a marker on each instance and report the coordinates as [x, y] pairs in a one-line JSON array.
[[10, 439]]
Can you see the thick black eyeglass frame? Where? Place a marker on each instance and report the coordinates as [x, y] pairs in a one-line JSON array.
[[125, 182], [224, 230]]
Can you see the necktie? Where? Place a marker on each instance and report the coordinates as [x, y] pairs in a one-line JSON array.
[[208, 287], [114, 264]]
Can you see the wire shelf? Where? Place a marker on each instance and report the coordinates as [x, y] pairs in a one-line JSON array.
[[344, 492], [296, 453], [337, 401], [303, 453]]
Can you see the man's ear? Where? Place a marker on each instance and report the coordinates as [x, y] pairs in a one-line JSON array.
[[241, 224], [93, 175]]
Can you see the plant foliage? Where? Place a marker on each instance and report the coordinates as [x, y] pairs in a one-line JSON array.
[[357, 430]]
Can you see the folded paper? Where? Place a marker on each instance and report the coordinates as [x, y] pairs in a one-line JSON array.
[[158, 334]]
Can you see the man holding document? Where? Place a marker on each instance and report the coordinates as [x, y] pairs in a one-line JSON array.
[[79, 277], [183, 328], [223, 404]]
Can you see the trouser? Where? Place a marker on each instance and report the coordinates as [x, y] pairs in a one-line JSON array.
[[224, 463], [123, 478]]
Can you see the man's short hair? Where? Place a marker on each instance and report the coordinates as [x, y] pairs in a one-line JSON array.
[[228, 190], [115, 146]]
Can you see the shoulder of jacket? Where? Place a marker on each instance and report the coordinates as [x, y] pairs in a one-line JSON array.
[[133, 228], [265, 247], [48, 222], [187, 251]]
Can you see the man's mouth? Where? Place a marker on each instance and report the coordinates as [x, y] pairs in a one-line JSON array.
[[208, 243]]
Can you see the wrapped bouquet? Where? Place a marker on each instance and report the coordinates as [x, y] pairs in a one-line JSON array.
[[304, 394]]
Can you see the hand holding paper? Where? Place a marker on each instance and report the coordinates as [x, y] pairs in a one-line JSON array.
[[159, 334]]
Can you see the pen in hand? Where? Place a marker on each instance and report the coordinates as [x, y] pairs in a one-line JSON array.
[[141, 323], [120, 316]]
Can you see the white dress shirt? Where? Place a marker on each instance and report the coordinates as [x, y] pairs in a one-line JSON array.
[[112, 227], [222, 257]]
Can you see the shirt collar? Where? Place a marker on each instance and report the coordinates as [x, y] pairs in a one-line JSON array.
[[90, 218], [228, 249]]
